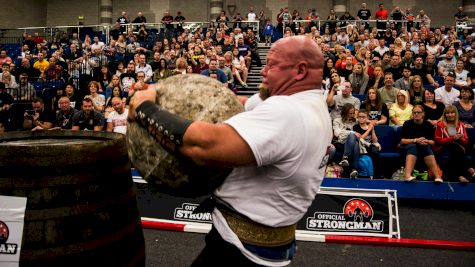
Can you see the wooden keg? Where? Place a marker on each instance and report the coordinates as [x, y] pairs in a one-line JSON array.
[[81, 208]]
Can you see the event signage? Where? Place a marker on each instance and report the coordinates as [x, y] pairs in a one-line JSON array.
[[334, 211], [12, 215]]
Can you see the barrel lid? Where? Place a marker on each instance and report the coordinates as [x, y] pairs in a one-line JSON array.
[[44, 148]]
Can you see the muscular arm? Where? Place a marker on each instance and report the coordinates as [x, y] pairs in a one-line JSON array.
[[216, 144]]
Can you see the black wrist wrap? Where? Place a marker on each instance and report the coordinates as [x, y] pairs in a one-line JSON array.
[[167, 128]]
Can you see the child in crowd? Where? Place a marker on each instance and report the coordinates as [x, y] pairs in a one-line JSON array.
[[268, 30], [368, 140]]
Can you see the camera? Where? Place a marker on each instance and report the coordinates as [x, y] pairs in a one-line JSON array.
[[341, 87], [30, 112]]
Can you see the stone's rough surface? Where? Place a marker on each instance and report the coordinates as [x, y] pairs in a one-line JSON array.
[[194, 97]]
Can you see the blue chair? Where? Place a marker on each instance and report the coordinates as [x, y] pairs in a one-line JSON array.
[[388, 137]]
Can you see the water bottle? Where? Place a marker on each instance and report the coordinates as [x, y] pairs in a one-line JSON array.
[[401, 174]]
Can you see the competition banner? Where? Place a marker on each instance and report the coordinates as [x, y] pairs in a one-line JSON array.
[[334, 211], [12, 215]]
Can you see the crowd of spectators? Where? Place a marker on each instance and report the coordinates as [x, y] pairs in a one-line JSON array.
[[399, 68]]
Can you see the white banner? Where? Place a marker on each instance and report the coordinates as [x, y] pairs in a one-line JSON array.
[[12, 216]]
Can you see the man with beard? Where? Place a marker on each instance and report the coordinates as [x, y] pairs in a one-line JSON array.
[[88, 119], [117, 120], [129, 77]]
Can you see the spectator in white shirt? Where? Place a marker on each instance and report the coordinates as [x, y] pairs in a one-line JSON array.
[[447, 94], [117, 120]]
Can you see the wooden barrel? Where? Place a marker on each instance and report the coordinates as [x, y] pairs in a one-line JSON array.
[[81, 208]]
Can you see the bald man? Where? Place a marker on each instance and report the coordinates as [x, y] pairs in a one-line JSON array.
[[277, 158]]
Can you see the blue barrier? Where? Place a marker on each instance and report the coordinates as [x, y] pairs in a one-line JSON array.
[[410, 190], [413, 190]]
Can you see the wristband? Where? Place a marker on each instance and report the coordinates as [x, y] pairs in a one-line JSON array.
[[167, 128]]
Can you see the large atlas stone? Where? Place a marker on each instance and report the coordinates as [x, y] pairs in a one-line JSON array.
[[194, 97]]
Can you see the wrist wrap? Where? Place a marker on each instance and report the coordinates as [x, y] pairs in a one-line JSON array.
[[167, 128]]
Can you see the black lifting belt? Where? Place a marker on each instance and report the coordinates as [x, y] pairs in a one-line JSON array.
[[167, 128]]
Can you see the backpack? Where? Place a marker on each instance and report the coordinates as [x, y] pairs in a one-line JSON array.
[[365, 166]]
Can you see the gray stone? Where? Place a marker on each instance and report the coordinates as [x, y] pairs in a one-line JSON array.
[[194, 97]]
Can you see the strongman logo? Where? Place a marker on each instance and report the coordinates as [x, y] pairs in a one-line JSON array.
[[357, 216], [6, 248], [358, 210], [4, 232]]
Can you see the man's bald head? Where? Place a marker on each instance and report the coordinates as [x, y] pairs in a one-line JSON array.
[[295, 64]]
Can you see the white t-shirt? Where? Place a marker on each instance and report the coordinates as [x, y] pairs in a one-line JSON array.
[[251, 16], [461, 77], [119, 121], [448, 98], [289, 137], [252, 102]]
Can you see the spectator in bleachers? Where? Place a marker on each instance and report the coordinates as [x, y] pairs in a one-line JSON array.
[[8, 80], [447, 64], [417, 140], [162, 71], [74, 98], [407, 59], [104, 77], [368, 140], [388, 91], [39, 118], [329, 64], [117, 120], [180, 19], [41, 64], [239, 67], [115, 31], [401, 110], [433, 109], [167, 20], [403, 83], [64, 115], [140, 18], [337, 101], [128, 78], [461, 75], [378, 112], [140, 82], [38, 39], [345, 66], [73, 53], [395, 68], [358, 79], [213, 68], [87, 118], [201, 65], [116, 92], [25, 89], [146, 68], [450, 140], [87, 42], [422, 16], [4, 58], [6, 116], [227, 70], [123, 20], [182, 66], [466, 107], [447, 94], [376, 79], [364, 14], [381, 48], [346, 137], [416, 91], [98, 100], [420, 70], [142, 34]]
